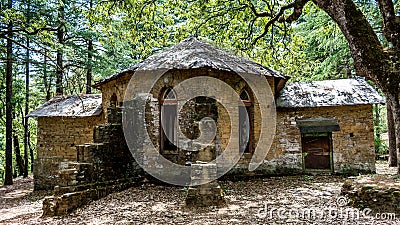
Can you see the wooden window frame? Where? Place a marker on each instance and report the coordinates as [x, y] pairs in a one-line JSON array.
[[164, 101], [248, 104]]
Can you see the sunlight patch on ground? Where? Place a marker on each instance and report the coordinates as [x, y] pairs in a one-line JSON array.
[[17, 193], [14, 212]]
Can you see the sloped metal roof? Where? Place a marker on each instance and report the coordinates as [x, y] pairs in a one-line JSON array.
[[355, 91], [193, 54], [70, 106]]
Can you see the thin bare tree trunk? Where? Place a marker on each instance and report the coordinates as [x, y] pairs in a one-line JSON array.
[[90, 58], [9, 117], [18, 157], [26, 119], [47, 83], [393, 99], [377, 120], [89, 69], [391, 136], [30, 151], [60, 39]]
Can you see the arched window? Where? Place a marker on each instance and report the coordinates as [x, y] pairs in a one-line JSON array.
[[245, 123], [168, 120], [244, 96]]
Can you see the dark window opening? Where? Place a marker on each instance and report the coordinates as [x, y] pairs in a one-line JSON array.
[[168, 121], [244, 96], [244, 129], [169, 94], [245, 124]]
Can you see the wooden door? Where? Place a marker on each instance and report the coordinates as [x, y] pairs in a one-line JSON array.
[[317, 152]]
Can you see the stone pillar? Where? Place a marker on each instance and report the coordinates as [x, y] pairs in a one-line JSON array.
[[208, 194]]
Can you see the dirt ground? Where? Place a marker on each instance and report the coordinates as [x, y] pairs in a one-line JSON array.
[[276, 200]]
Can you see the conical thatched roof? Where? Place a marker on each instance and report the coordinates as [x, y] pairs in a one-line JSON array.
[[193, 54]]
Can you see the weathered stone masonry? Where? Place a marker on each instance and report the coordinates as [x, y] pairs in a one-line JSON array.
[[353, 148], [57, 139], [102, 167], [85, 163]]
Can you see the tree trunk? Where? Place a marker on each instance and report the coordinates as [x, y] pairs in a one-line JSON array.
[[370, 60], [90, 57], [391, 136], [18, 157], [31, 153], [89, 69], [377, 121], [47, 83], [26, 119], [393, 99], [60, 39], [9, 129]]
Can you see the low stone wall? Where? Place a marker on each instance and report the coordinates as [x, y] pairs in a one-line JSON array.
[[378, 193], [67, 199]]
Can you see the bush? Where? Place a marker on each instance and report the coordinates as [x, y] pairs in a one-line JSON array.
[[381, 147]]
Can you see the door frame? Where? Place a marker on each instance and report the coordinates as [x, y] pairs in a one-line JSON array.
[[304, 154]]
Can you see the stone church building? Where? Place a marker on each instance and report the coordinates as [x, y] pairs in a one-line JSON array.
[[321, 126]]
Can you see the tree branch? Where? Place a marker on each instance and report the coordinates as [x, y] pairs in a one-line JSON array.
[[259, 14], [297, 5], [390, 21], [36, 31], [298, 10], [31, 49]]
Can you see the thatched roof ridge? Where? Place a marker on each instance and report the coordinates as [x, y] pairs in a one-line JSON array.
[[70, 106], [355, 91], [193, 54]]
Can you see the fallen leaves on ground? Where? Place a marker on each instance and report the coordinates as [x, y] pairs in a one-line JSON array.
[[275, 200]]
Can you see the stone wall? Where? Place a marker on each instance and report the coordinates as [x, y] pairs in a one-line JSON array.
[[193, 111], [353, 145], [57, 136], [118, 86], [353, 149], [57, 139], [115, 87], [101, 168]]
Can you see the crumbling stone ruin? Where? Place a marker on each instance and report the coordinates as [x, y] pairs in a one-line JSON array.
[[321, 127], [102, 167]]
